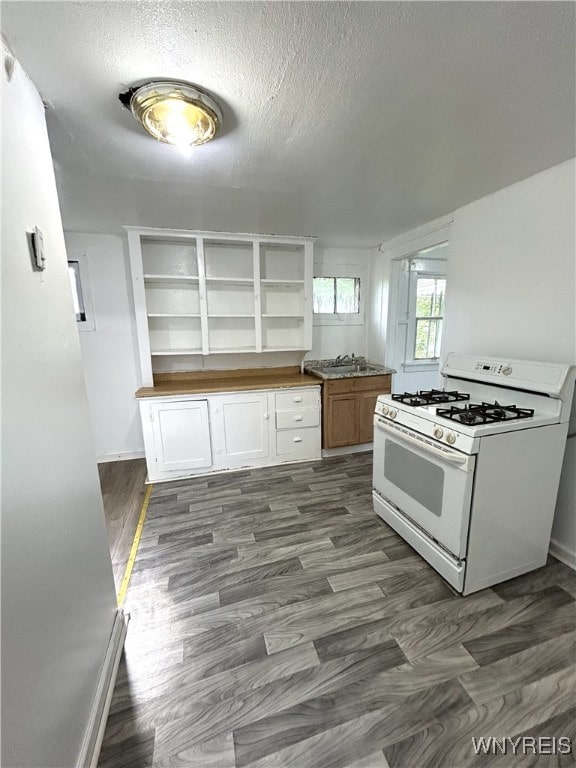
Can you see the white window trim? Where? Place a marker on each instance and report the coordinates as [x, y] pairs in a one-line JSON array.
[[84, 269], [343, 318], [410, 363], [429, 236]]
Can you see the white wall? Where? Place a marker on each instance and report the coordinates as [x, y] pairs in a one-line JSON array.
[[338, 338], [377, 315], [58, 599], [110, 352], [511, 287], [564, 528]]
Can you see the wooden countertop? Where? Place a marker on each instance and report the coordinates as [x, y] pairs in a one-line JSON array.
[[199, 382]]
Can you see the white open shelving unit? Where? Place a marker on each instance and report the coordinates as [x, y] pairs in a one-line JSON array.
[[204, 293]]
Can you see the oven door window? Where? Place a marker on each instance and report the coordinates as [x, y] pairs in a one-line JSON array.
[[414, 475]]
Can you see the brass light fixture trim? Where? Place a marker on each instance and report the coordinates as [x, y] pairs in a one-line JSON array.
[[174, 111]]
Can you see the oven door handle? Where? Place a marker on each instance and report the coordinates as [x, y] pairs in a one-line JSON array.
[[445, 454]]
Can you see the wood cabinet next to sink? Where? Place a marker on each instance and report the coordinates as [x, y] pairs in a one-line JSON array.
[[348, 409]]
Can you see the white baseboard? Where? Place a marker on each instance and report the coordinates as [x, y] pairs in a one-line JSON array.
[[102, 458], [562, 553], [90, 751], [346, 449]]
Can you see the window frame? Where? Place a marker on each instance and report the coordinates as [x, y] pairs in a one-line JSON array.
[[340, 269], [414, 318], [335, 302], [412, 363], [426, 242], [82, 271]]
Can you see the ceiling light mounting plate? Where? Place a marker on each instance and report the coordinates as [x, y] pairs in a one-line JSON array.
[[174, 111]]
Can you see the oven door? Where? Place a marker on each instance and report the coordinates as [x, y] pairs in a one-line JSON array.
[[428, 483]]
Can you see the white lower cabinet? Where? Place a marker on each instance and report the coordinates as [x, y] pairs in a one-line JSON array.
[[180, 436], [196, 434], [240, 428]]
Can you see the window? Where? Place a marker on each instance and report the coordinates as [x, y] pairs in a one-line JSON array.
[[336, 295], [76, 285], [429, 316], [413, 337], [79, 275]]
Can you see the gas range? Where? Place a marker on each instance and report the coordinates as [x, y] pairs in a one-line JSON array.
[[460, 417], [468, 474]]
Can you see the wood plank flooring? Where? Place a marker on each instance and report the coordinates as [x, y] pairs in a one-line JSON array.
[[123, 488], [276, 622]]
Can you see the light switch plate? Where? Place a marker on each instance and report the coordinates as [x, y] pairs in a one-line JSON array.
[[38, 248]]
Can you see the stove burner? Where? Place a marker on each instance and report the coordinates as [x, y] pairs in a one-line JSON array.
[[484, 413], [430, 397]]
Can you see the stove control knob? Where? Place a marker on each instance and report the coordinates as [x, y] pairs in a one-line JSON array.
[[393, 413], [451, 438], [385, 410], [438, 432], [507, 370]]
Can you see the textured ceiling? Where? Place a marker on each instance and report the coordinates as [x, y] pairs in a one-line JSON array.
[[353, 121]]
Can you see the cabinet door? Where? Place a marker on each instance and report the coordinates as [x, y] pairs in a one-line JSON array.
[[181, 435], [240, 428], [341, 422], [367, 401]]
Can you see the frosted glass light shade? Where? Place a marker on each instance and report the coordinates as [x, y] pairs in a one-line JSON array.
[[176, 113]]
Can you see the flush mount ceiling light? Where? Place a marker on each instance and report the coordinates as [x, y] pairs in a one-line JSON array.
[[174, 112]]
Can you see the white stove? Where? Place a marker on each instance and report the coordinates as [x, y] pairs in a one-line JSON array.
[[469, 474]]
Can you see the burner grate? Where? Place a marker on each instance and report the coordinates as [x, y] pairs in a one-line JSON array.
[[484, 413], [430, 397]]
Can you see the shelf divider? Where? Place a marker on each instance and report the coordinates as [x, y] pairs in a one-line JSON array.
[[203, 297], [170, 278], [257, 294]]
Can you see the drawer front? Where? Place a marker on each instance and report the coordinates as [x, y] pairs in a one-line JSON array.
[[296, 418], [379, 384], [373, 384], [298, 443], [297, 398]]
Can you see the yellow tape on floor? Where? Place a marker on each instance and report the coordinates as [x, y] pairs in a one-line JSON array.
[[134, 549]]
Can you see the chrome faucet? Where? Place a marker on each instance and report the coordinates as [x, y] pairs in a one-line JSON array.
[[343, 359]]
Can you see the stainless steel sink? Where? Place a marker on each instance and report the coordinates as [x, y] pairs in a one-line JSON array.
[[341, 368], [347, 369]]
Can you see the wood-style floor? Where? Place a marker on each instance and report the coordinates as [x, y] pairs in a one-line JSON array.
[[278, 623], [123, 488]]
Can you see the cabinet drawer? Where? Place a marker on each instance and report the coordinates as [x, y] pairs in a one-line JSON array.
[[296, 418], [299, 443], [373, 383], [297, 398], [358, 384]]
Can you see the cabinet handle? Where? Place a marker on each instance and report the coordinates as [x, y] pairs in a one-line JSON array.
[[298, 418], [297, 439], [266, 415], [297, 399]]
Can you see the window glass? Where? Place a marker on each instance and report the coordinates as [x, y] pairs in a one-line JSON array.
[[324, 295], [430, 293], [336, 295], [347, 289], [76, 286]]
